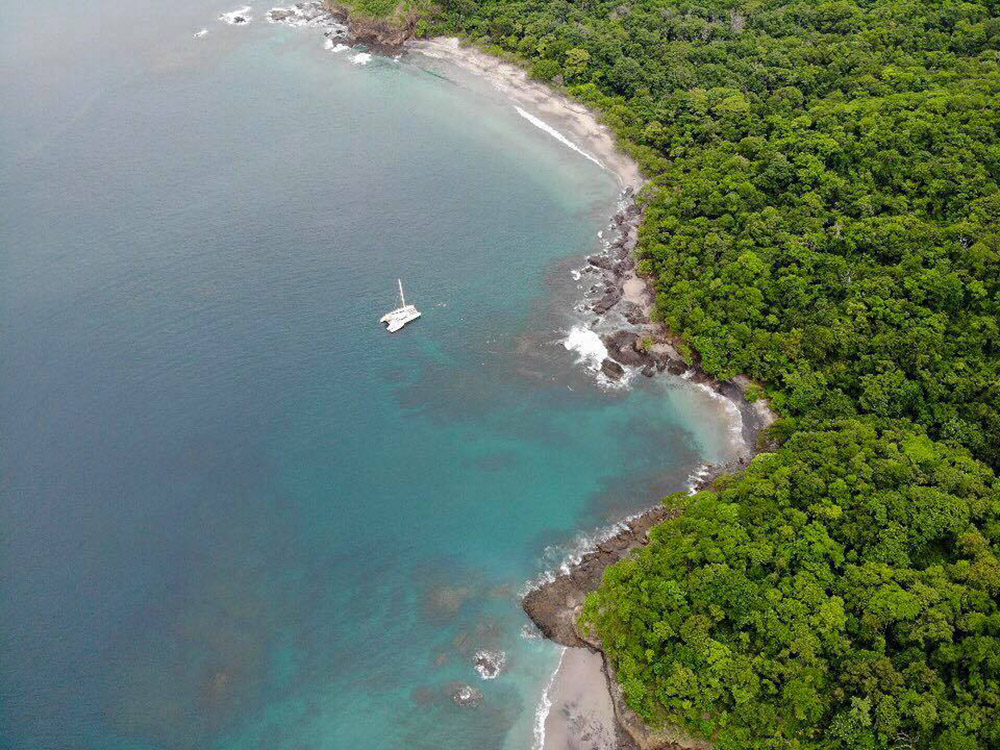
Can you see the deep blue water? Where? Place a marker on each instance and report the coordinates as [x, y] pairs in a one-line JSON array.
[[235, 513]]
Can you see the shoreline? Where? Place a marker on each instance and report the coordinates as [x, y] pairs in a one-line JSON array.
[[580, 127], [584, 700]]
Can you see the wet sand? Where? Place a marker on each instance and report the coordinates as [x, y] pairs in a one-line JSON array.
[[581, 716], [573, 120]]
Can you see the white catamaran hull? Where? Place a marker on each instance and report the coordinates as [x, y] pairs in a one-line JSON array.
[[401, 315]]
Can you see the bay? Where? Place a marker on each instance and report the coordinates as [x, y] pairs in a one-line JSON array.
[[235, 512]]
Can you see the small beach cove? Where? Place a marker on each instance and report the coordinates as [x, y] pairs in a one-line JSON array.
[[327, 529]]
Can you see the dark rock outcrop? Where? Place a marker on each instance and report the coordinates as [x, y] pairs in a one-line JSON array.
[[612, 369], [602, 261], [609, 300], [626, 347], [554, 607]]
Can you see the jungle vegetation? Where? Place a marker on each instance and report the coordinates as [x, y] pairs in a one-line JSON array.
[[823, 215]]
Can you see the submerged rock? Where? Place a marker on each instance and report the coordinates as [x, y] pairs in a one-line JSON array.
[[466, 695], [612, 369], [489, 663]]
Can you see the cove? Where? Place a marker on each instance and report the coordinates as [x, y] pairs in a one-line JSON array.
[[236, 513]]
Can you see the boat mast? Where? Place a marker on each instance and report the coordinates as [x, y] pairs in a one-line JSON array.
[[401, 297]]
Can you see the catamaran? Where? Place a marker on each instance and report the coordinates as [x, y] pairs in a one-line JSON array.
[[396, 319]]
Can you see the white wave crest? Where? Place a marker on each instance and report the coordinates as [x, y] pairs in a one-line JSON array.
[[557, 135], [695, 479], [560, 559], [591, 352], [301, 14], [588, 346], [200, 33], [545, 705], [362, 58], [490, 664], [238, 17]]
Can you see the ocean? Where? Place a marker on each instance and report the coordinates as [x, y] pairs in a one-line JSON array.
[[235, 512]]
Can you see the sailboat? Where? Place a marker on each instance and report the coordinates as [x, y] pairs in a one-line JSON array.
[[396, 319]]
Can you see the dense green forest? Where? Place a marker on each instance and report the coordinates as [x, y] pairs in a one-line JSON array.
[[824, 216], [840, 593]]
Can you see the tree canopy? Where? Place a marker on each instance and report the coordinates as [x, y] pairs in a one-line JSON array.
[[841, 593], [823, 215]]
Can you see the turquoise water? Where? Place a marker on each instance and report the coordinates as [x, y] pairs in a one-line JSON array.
[[235, 512]]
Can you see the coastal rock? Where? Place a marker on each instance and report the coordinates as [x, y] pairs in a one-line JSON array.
[[676, 367], [609, 300], [612, 369], [383, 35], [466, 695], [624, 265], [239, 17], [649, 371], [632, 312], [601, 261], [626, 347], [489, 664], [554, 606]]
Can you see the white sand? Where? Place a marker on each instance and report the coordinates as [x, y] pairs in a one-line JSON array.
[[636, 290], [536, 101], [581, 716]]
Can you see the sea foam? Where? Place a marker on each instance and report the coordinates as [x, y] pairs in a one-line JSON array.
[[362, 58], [541, 124], [545, 705], [588, 346], [238, 17]]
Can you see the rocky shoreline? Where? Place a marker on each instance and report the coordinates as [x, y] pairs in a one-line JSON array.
[[621, 302], [644, 346]]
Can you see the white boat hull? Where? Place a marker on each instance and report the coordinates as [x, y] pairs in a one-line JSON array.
[[399, 317]]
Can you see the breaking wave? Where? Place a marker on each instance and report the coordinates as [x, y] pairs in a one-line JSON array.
[[696, 478], [588, 346], [559, 559], [238, 17], [557, 135], [545, 705]]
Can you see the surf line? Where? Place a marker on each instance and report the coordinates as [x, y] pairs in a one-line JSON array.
[[557, 135]]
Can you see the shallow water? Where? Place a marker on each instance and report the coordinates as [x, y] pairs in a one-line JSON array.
[[236, 513]]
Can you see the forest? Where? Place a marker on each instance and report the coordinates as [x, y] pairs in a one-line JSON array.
[[822, 215]]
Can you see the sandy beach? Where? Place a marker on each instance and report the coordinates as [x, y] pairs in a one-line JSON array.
[[577, 124], [586, 709], [581, 715]]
